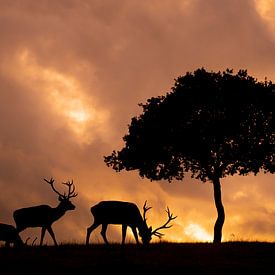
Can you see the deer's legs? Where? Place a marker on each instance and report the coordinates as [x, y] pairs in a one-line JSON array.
[[43, 230], [135, 234], [124, 230], [103, 232], [52, 234], [90, 230]]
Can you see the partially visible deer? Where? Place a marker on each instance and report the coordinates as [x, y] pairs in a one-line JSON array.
[[9, 234], [44, 215], [126, 214]]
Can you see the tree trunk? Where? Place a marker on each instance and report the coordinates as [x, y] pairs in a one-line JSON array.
[[220, 210]]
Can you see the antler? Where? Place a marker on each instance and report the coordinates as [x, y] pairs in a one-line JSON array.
[[164, 226], [51, 181], [71, 192], [145, 209]]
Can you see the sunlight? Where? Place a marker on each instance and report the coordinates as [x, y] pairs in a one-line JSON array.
[[79, 115], [65, 95], [266, 9], [264, 6], [197, 233]]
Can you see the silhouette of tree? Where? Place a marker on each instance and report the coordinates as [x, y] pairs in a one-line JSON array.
[[210, 125]]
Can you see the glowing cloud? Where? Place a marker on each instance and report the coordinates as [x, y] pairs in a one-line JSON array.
[[65, 96], [266, 8]]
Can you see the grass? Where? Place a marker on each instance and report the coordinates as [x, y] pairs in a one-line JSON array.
[[157, 258]]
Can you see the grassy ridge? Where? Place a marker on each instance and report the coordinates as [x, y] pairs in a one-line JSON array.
[[158, 258]]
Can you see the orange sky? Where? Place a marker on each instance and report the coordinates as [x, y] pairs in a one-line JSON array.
[[72, 74]]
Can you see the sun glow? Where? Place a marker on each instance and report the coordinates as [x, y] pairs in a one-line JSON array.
[[197, 233], [65, 96], [79, 115], [266, 9]]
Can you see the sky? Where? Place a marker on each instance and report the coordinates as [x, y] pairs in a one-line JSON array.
[[72, 74]]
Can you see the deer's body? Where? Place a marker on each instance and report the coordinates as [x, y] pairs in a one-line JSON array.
[[118, 212], [110, 212], [44, 215], [9, 234], [37, 216], [124, 213]]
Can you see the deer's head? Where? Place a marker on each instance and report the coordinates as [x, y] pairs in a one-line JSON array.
[[64, 199], [147, 232]]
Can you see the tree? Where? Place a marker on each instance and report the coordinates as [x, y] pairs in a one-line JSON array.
[[210, 125]]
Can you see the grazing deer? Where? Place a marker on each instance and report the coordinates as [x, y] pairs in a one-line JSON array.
[[9, 234], [43, 215], [126, 214]]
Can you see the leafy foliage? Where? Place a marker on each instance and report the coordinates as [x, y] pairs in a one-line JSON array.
[[210, 124]]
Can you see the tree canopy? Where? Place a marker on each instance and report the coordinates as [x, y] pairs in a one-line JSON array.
[[211, 124]]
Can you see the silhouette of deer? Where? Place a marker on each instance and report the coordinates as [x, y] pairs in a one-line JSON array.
[[126, 214], [9, 234], [44, 215]]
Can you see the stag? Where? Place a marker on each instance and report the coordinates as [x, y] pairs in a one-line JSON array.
[[44, 215], [9, 234], [126, 214]]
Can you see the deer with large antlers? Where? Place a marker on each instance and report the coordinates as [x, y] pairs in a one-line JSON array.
[[126, 214], [44, 215]]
